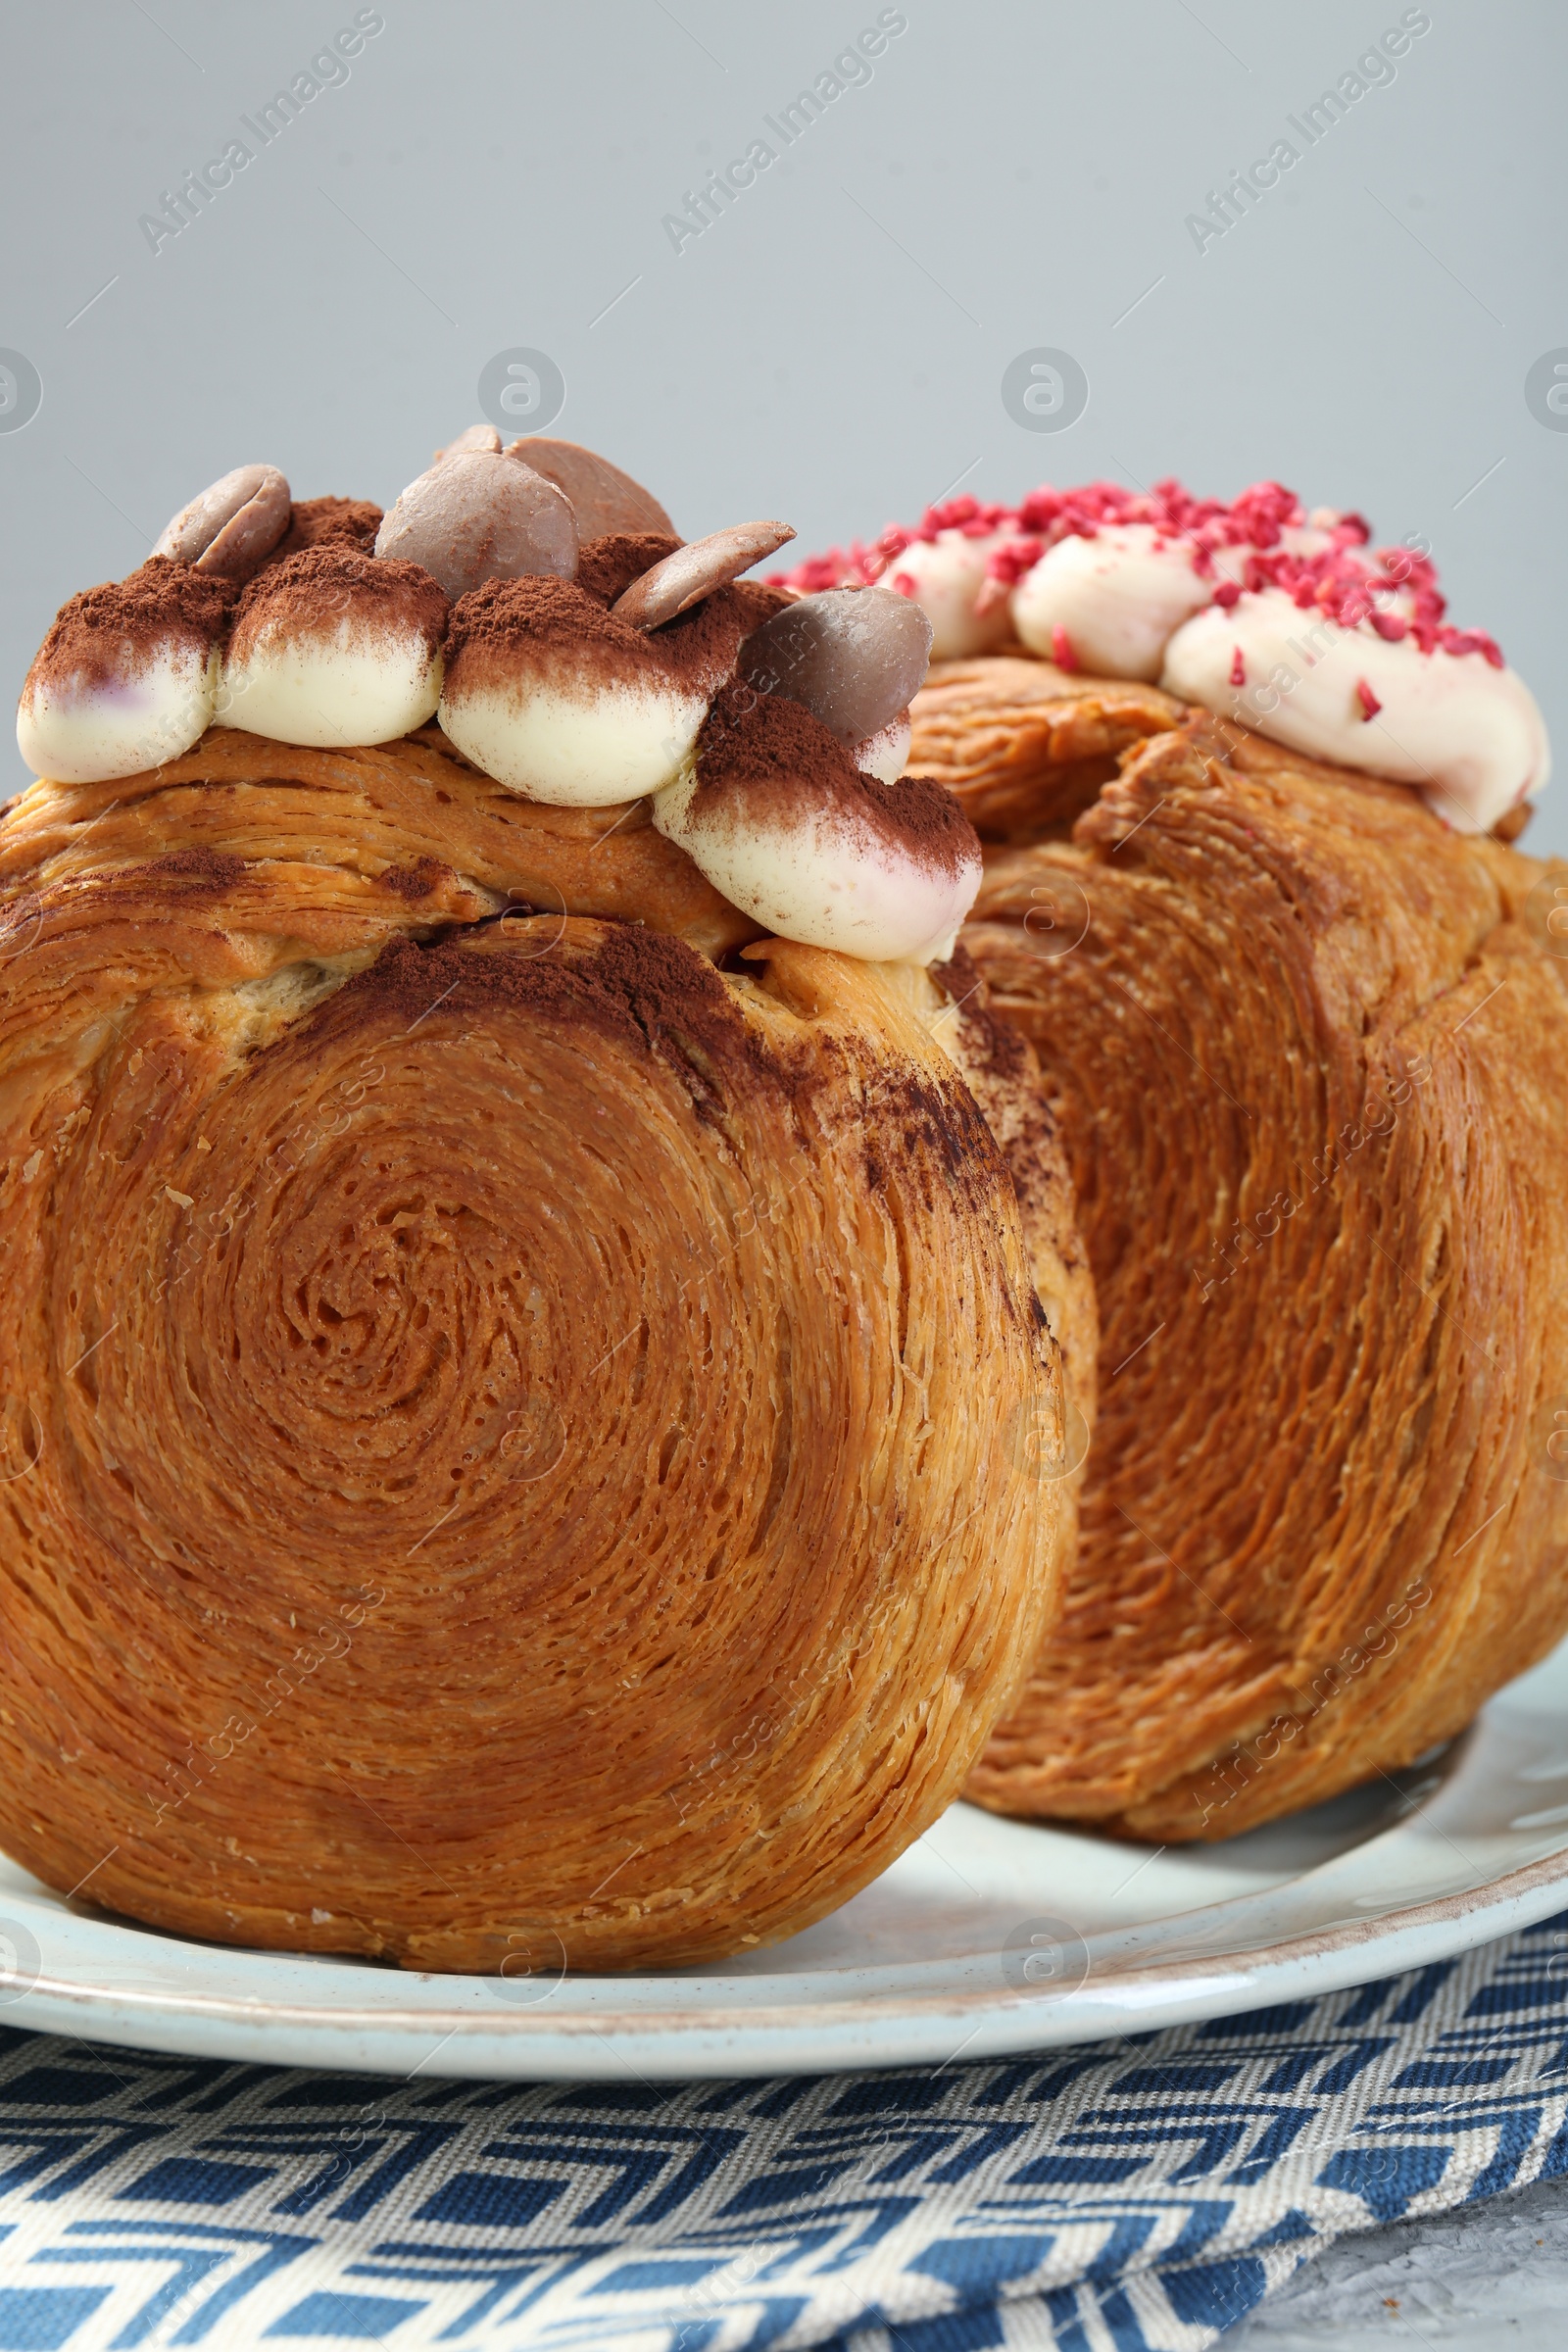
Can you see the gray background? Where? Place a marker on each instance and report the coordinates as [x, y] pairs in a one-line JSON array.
[[1013, 175]]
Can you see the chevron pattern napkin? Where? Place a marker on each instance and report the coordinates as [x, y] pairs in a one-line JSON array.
[[1144, 2193]]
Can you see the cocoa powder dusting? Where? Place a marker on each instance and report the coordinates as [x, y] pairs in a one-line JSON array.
[[697, 647], [758, 603], [608, 566], [328, 523], [417, 881], [512, 631], [111, 632], [1000, 1050], [508, 630], [770, 748], [313, 593], [647, 991], [760, 757], [926, 818], [212, 871]]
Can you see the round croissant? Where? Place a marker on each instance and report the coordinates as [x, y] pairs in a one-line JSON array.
[[511, 1457], [1308, 1047]]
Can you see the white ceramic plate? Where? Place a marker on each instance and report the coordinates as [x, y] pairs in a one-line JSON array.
[[987, 1936]]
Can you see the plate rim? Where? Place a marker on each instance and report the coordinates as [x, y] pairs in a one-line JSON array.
[[1007, 2020]]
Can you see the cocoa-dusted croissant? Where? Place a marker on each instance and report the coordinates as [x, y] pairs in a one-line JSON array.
[[1310, 1053], [513, 1452]]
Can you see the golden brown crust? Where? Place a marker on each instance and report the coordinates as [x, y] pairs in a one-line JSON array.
[[1022, 1112], [1311, 1048], [502, 1467], [1042, 1447], [1024, 746], [381, 838]]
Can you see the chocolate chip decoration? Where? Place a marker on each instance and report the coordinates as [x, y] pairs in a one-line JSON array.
[[604, 498], [692, 573], [233, 526], [853, 657], [478, 516]]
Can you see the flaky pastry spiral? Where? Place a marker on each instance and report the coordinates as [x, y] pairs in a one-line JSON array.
[[1309, 1048], [510, 1447]]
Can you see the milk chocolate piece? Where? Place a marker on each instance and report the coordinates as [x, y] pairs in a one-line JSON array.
[[482, 437], [604, 499], [477, 516], [853, 657], [233, 526], [695, 571]]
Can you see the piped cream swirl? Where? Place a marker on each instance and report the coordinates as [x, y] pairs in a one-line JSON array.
[[1285, 620]]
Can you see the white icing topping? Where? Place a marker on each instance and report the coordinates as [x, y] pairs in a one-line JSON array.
[[822, 879], [1151, 583], [1116, 598], [1469, 735], [946, 578], [327, 691], [1128, 600], [583, 749], [886, 754], [84, 734]]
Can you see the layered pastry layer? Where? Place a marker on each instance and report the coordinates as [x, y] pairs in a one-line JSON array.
[[1305, 1044]]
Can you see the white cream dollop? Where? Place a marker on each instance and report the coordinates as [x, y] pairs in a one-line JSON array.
[[1115, 598], [1469, 735], [581, 746], [818, 876], [946, 578], [82, 731], [356, 685], [885, 754]]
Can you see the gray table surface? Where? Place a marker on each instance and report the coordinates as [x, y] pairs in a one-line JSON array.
[[1488, 2275]]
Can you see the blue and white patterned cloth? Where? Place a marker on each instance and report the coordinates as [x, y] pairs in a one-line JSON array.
[[1137, 2193]]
